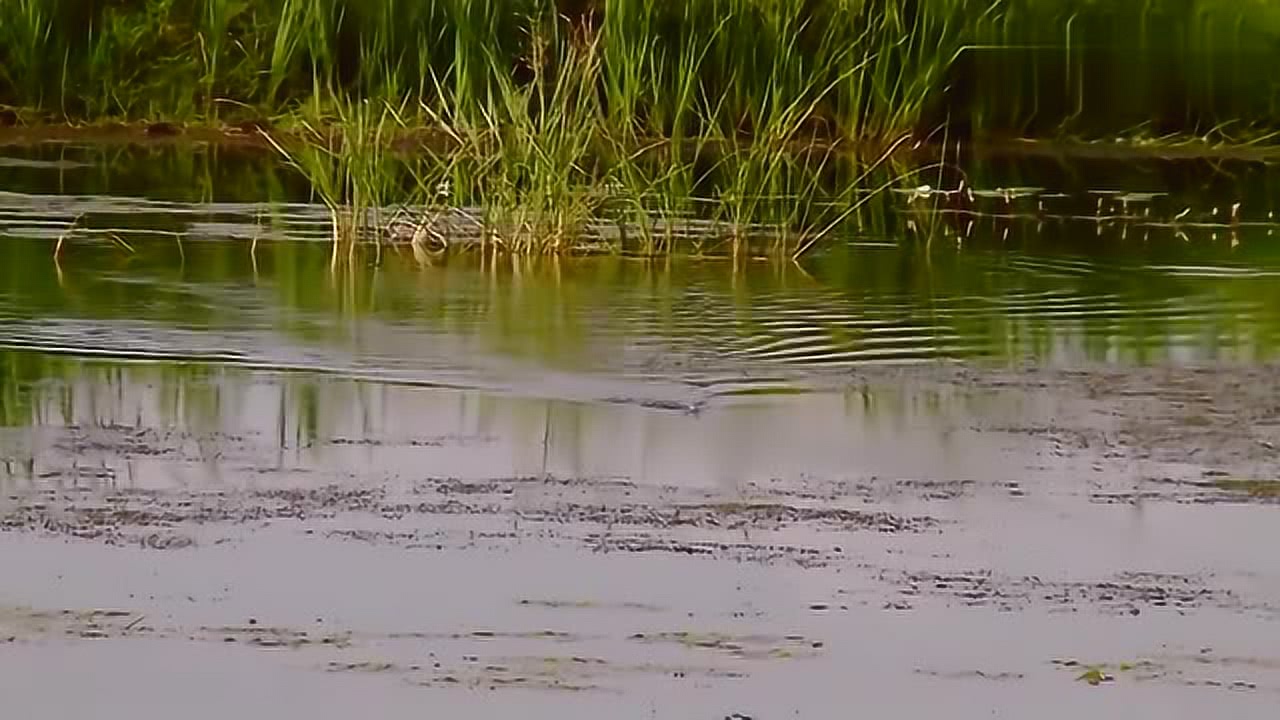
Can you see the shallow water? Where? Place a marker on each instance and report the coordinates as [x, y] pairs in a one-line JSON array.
[[543, 485], [1051, 263]]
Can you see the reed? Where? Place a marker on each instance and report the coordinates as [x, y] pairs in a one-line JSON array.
[[537, 176], [347, 160], [619, 119], [1039, 66], [526, 157]]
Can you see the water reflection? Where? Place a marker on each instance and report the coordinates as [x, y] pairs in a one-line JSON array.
[[598, 328], [157, 425], [225, 263], [208, 304]]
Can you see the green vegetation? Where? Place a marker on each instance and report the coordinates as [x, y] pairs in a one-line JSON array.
[[551, 116], [661, 65], [1095, 675], [1252, 488], [547, 182], [664, 69]]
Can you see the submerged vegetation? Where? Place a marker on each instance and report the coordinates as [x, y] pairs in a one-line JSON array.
[[635, 123]]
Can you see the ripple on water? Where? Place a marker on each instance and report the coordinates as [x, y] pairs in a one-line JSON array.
[[463, 323], [25, 215]]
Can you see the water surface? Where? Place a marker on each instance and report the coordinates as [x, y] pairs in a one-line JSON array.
[[536, 486]]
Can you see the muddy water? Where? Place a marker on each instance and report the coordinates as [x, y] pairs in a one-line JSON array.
[[1021, 463]]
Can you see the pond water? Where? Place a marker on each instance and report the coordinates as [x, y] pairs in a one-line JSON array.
[[189, 298], [1051, 264], [1079, 336]]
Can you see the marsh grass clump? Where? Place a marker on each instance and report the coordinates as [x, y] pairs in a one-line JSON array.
[[537, 168], [528, 157], [539, 176], [347, 159]]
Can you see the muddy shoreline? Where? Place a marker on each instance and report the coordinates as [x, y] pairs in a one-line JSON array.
[[1122, 546]]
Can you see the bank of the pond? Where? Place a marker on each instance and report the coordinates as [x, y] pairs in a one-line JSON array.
[[253, 136]]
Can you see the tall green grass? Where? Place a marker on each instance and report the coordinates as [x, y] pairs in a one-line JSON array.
[[538, 177], [668, 69], [720, 119]]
